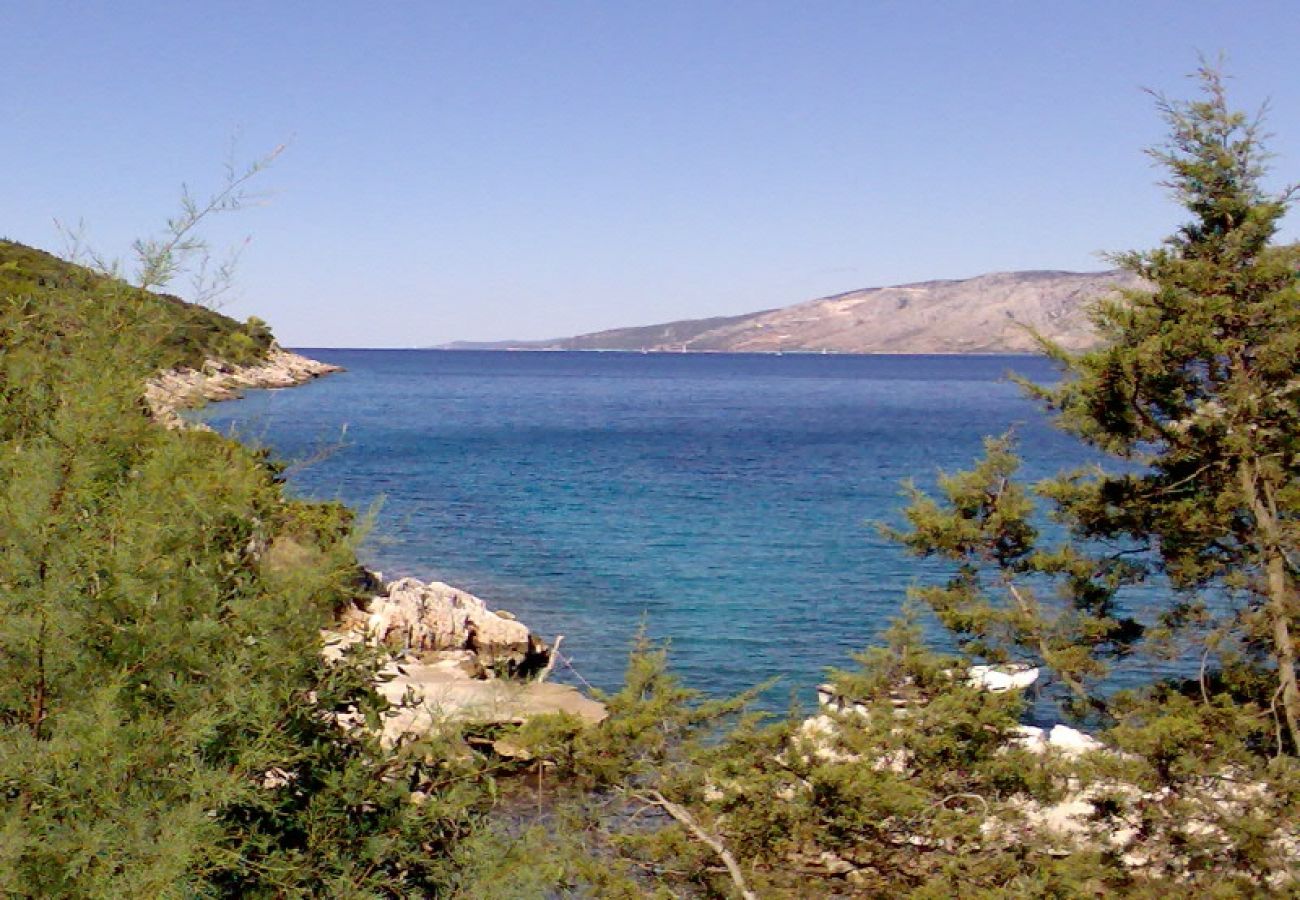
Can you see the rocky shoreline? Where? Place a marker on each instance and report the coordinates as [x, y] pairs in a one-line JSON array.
[[449, 659], [176, 389], [452, 659], [450, 656]]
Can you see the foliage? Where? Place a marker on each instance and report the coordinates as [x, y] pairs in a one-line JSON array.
[[167, 724], [1011, 598], [618, 777], [1194, 393], [910, 786], [171, 332], [655, 726]]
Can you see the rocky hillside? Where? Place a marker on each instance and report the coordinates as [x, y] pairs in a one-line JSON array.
[[986, 314]]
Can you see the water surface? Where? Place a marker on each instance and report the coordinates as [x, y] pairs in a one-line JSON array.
[[725, 501]]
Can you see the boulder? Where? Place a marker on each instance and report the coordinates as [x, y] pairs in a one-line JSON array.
[[417, 618], [1003, 678], [1070, 742], [446, 651]]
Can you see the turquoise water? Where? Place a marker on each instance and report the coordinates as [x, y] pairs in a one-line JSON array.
[[724, 500]]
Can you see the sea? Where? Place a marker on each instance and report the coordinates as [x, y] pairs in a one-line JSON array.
[[727, 504]]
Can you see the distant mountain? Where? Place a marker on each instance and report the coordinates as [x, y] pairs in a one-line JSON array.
[[986, 314]]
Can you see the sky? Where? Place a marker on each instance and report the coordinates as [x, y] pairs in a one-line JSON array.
[[518, 170]]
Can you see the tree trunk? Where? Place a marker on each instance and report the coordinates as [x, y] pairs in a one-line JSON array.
[[1281, 600], [1279, 607]]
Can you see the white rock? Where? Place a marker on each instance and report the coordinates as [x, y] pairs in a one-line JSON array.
[[168, 392], [1071, 741], [423, 617], [1031, 738], [1068, 741], [1003, 678]]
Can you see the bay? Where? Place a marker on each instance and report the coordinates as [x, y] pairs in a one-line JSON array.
[[725, 502]]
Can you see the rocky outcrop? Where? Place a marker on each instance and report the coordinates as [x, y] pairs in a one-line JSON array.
[[429, 691], [1104, 813], [418, 617], [453, 660], [177, 389]]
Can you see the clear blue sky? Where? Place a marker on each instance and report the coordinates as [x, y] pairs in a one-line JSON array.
[[482, 170]]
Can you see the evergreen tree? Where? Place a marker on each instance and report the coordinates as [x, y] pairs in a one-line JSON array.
[[1194, 395], [1196, 385], [1194, 392]]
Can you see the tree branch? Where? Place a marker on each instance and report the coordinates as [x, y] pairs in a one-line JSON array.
[[550, 660], [714, 843], [1044, 651]]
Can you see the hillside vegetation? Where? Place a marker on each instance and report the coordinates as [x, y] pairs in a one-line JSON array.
[[167, 725], [174, 333]]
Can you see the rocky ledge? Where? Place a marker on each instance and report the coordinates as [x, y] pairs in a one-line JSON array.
[[453, 659], [177, 389]]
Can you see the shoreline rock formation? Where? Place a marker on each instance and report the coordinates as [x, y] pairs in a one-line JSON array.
[[169, 392], [1074, 815], [453, 660], [420, 617]]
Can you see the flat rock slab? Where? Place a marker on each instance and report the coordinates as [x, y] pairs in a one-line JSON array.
[[426, 695]]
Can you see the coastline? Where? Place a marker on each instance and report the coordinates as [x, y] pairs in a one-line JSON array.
[[169, 392], [451, 657], [448, 658]]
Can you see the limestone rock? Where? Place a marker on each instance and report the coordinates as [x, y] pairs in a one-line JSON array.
[[419, 617], [1070, 742], [425, 696], [446, 650], [1003, 678], [169, 392]]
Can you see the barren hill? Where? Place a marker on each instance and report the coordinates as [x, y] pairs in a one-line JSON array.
[[985, 314]]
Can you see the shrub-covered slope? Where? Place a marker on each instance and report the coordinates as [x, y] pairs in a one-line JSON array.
[[168, 727], [181, 334]]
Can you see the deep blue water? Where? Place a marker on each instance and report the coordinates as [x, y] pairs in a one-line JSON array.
[[724, 500]]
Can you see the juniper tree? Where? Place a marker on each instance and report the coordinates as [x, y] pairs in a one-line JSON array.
[[1193, 391], [1195, 385]]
